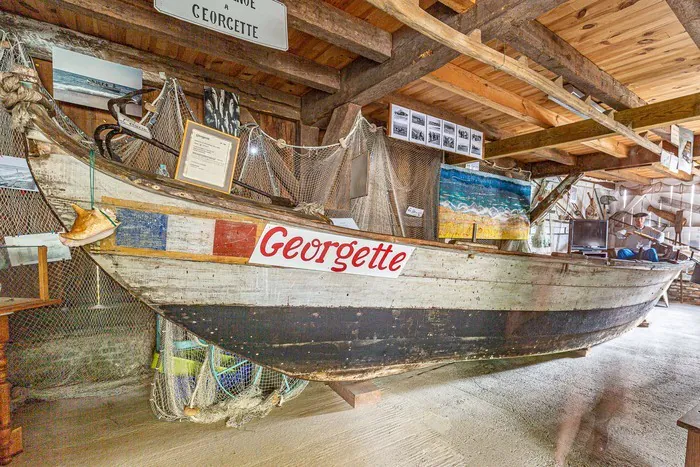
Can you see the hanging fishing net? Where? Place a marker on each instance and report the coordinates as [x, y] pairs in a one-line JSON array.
[[99, 339], [200, 382]]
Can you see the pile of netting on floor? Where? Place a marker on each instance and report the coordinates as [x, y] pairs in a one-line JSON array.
[[201, 382], [99, 340]]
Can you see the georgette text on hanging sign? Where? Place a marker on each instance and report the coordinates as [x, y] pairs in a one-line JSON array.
[[262, 22], [291, 247]]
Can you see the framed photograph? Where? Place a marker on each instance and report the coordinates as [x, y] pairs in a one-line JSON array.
[[477, 146], [221, 110], [15, 174], [418, 127], [434, 132], [84, 80], [400, 122], [685, 150], [207, 157], [449, 136], [464, 140]]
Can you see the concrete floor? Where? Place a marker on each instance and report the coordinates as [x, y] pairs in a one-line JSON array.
[[487, 414]]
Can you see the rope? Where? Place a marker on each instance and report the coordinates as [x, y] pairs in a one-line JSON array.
[[92, 188]]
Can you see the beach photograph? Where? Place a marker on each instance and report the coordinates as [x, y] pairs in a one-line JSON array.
[[91, 82], [497, 205], [15, 174]]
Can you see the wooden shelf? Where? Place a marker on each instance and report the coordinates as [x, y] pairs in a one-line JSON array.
[[10, 305]]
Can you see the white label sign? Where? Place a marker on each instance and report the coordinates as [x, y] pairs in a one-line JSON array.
[[262, 22], [57, 251], [134, 126], [208, 159], [291, 247], [414, 212]]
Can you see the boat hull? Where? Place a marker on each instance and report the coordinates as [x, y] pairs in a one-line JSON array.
[[187, 254], [358, 343]]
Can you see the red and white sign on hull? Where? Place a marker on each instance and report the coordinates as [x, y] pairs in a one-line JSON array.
[[290, 247]]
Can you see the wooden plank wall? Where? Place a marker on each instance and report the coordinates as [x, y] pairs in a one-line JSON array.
[[88, 119]]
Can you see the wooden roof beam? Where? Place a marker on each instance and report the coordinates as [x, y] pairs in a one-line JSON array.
[[591, 162], [412, 15], [39, 38], [136, 15], [688, 13], [333, 25], [660, 114], [466, 84], [629, 176], [364, 82], [556, 55]]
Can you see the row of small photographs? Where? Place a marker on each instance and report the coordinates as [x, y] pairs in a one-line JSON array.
[[417, 127]]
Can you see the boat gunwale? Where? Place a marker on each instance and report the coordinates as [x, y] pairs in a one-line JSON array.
[[176, 189]]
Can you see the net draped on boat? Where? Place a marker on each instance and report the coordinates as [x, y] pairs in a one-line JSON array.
[[99, 340], [200, 382]]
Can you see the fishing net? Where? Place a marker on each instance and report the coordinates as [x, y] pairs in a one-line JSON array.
[[99, 339], [202, 383]]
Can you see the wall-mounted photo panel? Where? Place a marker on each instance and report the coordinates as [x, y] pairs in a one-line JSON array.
[[477, 146], [400, 122], [464, 140], [685, 150], [418, 127], [84, 80], [434, 132], [449, 136]]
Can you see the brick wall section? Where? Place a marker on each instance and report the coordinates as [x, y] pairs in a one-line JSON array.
[[691, 292]]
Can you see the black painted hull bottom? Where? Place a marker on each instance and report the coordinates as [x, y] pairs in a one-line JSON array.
[[331, 344]]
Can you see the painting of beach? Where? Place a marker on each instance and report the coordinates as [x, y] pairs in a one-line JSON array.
[[15, 174], [497, 205], [84, 80]]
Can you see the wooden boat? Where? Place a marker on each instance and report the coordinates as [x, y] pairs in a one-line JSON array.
[[253, 278]]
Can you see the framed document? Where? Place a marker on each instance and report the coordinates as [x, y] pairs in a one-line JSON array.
[[207, 157]]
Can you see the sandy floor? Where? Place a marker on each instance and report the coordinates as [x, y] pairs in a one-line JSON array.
[[486, 414]]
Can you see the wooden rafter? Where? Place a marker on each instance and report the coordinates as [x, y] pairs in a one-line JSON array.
[[657, 115], [688, 13], [556, 55], [39, 37], [466, 84], [638, 157], [333, 25], [136, 15], [364, 82], [624, 175], [412, 15]]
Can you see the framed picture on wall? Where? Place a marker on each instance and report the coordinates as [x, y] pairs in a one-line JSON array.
[[418, 127], [434, 132], [464, 140], [400, 122], [477, 146], [449, 136]]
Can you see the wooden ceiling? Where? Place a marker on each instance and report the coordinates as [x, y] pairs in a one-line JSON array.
[[640, 43]]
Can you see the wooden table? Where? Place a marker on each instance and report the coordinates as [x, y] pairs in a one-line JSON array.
[[691, 422]]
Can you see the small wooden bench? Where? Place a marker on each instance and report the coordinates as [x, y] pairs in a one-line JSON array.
[[691, 422]]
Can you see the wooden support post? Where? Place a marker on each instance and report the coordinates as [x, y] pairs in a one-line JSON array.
[[691, 422], [43, 273], [357, 394], [543, 206]]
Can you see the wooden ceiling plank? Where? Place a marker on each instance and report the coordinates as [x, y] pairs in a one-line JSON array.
[[40, 37], [688, 13], [631, 177], [337, 27], [412, 15], [466, 84], [138, 16], [556, 55], [661, 114], [364, 81], [460, 6]]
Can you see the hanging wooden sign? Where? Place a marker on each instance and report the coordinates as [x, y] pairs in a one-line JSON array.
[[262, 22]]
